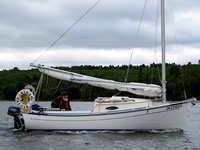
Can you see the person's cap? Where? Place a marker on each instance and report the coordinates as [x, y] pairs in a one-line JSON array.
[[63, 94]]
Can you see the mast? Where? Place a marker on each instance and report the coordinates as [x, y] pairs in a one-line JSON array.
[[163, 50]]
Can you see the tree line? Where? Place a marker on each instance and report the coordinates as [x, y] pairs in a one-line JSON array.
[[179, 77]]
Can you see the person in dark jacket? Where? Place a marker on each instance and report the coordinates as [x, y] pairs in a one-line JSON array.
[[61, 102]]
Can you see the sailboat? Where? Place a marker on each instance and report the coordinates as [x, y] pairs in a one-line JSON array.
[[116, 113]]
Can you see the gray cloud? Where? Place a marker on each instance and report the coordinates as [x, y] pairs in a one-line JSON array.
[[28, 25], [112, 24]]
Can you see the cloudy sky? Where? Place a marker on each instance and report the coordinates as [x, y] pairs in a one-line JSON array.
[[106, 36]]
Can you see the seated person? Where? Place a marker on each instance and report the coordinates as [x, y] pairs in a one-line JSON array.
[[61, 102]]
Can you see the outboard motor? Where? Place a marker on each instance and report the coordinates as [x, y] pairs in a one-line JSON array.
[[24, 98], [18, 119]]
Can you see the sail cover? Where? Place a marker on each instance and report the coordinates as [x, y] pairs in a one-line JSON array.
[[151, 90]]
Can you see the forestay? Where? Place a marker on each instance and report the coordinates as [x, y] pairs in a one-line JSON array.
[[151, 90]]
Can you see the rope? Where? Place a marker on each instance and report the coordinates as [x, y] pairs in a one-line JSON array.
[[69, 29], [2, 116], [127, 72], [6, 115], [177, 50]]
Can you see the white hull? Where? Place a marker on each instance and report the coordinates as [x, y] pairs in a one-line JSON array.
[[165, 116]]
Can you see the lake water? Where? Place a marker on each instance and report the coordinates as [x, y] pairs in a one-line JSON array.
[[138, 140]]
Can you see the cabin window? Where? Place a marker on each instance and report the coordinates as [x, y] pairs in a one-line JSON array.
[[111, 107]]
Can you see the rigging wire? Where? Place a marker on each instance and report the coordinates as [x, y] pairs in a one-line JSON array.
[[39, 86], [69, 29], [156, 39], [48, 87], [136, 37], [117, 93], [177, 49], [90, 96]]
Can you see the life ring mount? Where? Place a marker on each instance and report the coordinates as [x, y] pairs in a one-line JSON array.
[[25, 99]]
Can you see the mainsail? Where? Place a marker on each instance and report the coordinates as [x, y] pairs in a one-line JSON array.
[[151, 90]]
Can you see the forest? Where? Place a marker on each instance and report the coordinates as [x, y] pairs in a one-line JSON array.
[[179, 77]]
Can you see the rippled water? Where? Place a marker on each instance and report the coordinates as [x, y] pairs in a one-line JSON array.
[[147, 140]]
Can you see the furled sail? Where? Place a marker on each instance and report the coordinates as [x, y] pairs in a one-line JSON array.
[[151, 90]]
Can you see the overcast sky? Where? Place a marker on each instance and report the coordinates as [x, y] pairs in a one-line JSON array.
[[104, 37]]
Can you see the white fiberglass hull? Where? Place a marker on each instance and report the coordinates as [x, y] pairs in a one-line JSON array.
[[166, 116]]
